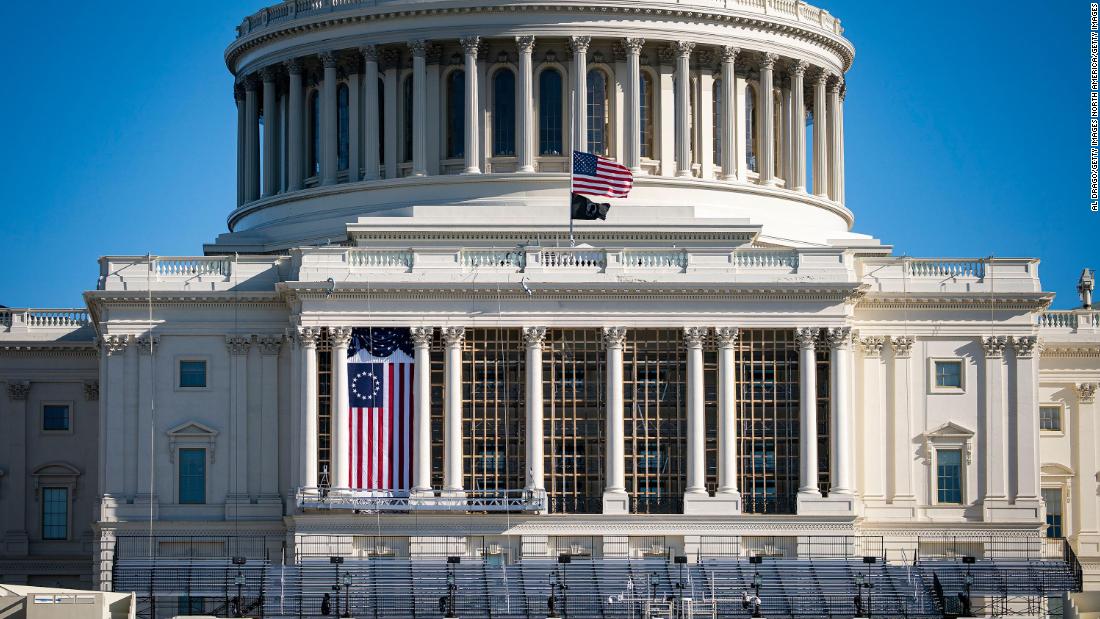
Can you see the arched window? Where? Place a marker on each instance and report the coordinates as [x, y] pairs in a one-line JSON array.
[[313, 158], [504, 113], [456, 114], [597, 112], [750, 127], [716, 121], [646, 111], [407, 119], [342, 127], [550, 113], [381, 121]]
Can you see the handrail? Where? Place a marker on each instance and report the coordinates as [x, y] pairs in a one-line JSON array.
[[403, 501], [37, 318]]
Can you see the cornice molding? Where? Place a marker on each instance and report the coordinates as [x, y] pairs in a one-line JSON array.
[[50, 348], [1070, 351], [785, 28], [1030, 302]]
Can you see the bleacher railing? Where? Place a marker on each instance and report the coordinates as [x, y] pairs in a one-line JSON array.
[[368, 501]]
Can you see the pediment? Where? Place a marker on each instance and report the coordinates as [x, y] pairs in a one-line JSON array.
[[950, 430], [1054, 469], [56, 469], [192, 429]]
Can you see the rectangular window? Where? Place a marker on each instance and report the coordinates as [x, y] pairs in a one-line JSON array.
[[949, 374], [1050, 418], [949, 476], [55, 513], [193, 374], [192, 469], [55, 417], [1053, 498]]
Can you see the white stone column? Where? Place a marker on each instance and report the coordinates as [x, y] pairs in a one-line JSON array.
[[271, 131], [696, 413], [238, 346], [252, 139], [873, 467], [841, 413], [355, 116], [16, 539], [785, 146], [633, 110], [422, 411], [238, 100], [615, 499], [807, 370], [995, 437], [473, 111], [452, 460], [797, 182], [307, 341], [533, 338], [683, 113], [435, 104], [329, 125], [766, 120], [370, 113], [727, 415], [821, 133], [834, 138], [112, 422], [1084, 503], [731, 167], [296, 123], [419, 51], [579, 45], [1027, 420], [147, 346], [340, 474], [665, 129], [840, 141], [269, 417], [902, 494], [525, 101]]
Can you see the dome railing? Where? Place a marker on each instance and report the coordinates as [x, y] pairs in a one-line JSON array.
[[290, 10]]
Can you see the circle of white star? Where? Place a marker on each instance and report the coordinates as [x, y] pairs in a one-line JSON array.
[[375, 383]]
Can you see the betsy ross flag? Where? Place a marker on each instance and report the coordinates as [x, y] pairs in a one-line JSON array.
[[380, 395], [599, 176]]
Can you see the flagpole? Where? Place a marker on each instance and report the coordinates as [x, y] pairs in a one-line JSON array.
[[569, 207]]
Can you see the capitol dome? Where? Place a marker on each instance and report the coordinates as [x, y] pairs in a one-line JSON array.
[[460, 115]]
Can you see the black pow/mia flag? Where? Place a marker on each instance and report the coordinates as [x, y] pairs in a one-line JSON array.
[[583, 208]]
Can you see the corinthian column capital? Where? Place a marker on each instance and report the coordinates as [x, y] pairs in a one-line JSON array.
[[726, 336], [806, 337], [525, 44], [579, 45], [613, 337], [421, 336], [453, 336], [534, 336], [341, 336]]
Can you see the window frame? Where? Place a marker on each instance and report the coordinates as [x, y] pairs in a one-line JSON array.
[[565, 118], [68, 513], [42, 417], [1062, 409], [449, 140], [495, 102], [1062, 511], [313, 144], [178, 365], [608, 104], [648, 101], [937, 449], [343, 126], [204, 457], [933, 384]]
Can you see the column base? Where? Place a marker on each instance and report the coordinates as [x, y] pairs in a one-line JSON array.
[[471, 171], [108, 507], [453, 493], [527, 169], [813, 504], [721, 504], [684, 174], [616, 502]]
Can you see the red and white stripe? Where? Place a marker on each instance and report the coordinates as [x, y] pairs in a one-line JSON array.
[[612, 179], [381, 437]]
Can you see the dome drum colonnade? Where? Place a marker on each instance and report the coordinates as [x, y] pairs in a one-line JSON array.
[[838, 340], [667, 109]]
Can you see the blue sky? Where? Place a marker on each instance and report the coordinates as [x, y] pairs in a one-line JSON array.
[[966, 135]]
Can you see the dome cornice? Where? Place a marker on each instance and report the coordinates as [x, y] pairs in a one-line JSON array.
[[276, 22]]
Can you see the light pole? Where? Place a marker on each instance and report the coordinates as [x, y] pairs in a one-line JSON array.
[[864, 582], [757, 581], [563, 560], [238, 580], [347, 594], [452, 587], [680, 560], [968, 584]]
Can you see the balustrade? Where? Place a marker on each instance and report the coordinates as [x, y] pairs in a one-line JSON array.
[[655, 259], [503, 259], [13, 319], [190, 267], [573, 259], [373, 258], [946, 268]]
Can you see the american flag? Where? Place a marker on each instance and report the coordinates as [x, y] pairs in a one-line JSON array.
[[599, 176], [380, 386]]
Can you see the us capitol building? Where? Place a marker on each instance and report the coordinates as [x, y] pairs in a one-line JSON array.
[[719, 398]]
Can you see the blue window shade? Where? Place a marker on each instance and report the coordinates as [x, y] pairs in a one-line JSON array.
[[504, 113], [597, 112], [1053, 499], [949, 476], [192, 374], [645, 91], [750, 126], [949, 374], [55, 417], [55, 513], [550, 113], [407, 120], [313, 160], [192, 467], [456, 115]]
